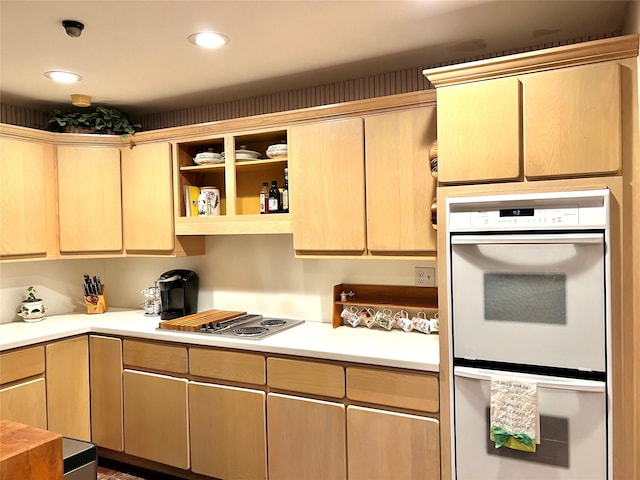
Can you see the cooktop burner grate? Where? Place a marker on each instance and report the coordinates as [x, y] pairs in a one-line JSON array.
[[273, 322], [249, 331]]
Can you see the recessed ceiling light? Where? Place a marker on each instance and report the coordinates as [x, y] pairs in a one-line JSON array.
[[62, 77], [209, 39]]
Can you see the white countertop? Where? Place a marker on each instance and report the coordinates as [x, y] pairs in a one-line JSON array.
[[312, 339]]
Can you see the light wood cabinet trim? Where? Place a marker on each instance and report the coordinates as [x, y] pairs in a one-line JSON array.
[[558, 57], [105, 362], [384, 445], [156, 418], [327, 189], [25, 403], [306, 438], [89, 211], [68, 404], [480, 131], [395, 389], [240, 224], [224, 365], [147, 198], [399, 184], [20, 364], [155, 356], [306, 377], [572, 121], [228, 432]]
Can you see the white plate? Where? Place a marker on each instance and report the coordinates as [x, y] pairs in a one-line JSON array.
[[207, 161], [247, 154], [243, 156]]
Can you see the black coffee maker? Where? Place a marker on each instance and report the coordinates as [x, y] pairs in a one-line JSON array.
[[178, 293]]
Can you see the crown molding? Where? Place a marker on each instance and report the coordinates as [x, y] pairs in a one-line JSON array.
[[583, 53]]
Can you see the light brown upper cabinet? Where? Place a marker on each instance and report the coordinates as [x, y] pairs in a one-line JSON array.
[[327, 185], [147, 198], [399, 184], [479, 132], [566, 122], [27, 200], [572, 121], [89, 199], [384, 155]]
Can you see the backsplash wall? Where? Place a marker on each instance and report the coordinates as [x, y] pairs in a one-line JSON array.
[[256, 273]]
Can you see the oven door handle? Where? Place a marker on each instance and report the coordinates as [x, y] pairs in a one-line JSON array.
[[556, 383], [548, 238]]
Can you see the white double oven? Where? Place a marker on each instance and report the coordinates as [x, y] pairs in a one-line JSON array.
[[528, 280]]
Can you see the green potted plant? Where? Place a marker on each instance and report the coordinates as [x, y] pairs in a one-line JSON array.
[[104, 120], [32, 308]]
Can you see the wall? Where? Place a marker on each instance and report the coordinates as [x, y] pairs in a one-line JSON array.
[[256, 273], [390, 83]]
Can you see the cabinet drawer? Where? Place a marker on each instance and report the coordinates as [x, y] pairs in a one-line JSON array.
[[395, 389], [168, 358], [306, 377], [21, 364], [233, 366]]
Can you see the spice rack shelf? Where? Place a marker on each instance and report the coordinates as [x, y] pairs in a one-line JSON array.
[[384, 296]]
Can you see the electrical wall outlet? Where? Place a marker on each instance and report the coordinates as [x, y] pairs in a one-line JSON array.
[[425, 276]]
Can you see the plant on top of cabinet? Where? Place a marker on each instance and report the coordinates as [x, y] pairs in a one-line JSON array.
[[101, 120]]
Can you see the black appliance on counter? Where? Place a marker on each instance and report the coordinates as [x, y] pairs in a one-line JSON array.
[[178, 293]]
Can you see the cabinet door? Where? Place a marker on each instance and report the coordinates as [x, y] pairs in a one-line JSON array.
[[307, 439], [384, 445], [89, 204], [400, 187], [147, 198], [327, 186], [68, 388], [26, 197], [156, 418], [106, 392], [228, 432], [25, 403], [572, 121], [479, 131]]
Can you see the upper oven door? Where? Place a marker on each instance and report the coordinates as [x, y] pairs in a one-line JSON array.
[[532, 299]]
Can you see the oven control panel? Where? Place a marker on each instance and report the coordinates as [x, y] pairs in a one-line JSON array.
[[529, 212]]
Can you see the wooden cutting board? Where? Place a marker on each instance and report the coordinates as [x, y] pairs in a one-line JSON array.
[[195, 321]]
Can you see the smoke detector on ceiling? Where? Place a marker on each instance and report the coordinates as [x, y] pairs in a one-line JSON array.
[[73, 28]]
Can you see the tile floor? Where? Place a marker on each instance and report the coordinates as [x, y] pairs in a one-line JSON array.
[[109, 470]]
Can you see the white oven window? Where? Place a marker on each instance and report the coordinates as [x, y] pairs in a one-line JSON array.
[[526, 297]]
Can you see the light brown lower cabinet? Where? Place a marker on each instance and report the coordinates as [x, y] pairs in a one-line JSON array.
[[156, 423], [384, 445], [105, 362], [68, 404], [228, 432], [25, 402], [307, 439]]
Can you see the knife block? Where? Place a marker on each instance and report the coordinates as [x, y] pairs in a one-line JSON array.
[[96, 303]]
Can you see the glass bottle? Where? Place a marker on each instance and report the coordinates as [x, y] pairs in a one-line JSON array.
[[285, 192], [274, 197], [264, 198]]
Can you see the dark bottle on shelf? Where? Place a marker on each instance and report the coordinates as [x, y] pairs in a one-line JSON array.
[[285, 192], [274, 198], [264, 198]]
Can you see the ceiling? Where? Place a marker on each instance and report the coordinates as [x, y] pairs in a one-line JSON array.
[[134, 55]]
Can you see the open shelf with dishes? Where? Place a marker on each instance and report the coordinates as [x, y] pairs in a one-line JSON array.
[[237, 165]]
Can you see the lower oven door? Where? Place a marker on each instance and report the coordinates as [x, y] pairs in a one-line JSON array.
[[531, 299], [573, 430]]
